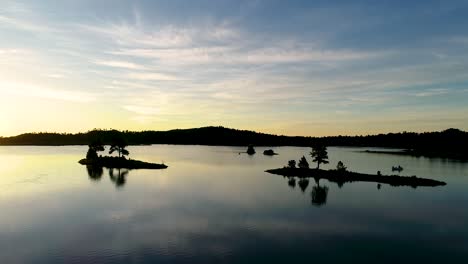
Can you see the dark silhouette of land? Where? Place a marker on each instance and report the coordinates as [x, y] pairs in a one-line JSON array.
[[93, 160], [121, 163], [251, 150], [450, 143], [269, 152], [342, 177]]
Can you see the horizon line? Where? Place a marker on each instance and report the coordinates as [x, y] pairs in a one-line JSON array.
[[140, 131]]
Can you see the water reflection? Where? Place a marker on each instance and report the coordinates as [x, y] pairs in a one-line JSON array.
[[303, 183], [94, 172], [117, 176], [292, 182], [319, 195], [189, 214]]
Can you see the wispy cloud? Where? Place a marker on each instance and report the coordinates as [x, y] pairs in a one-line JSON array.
[[167, 36], [21, 17], [214, 43], [431, 92], [142, 110], [236, 55], [224, 68], [459, 39], [8, 51], [22, 24], [55, 76], [151, 76], [32, 90], [120, 64]]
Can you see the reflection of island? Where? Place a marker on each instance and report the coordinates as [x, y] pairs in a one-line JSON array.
[[341, 175], [319, 195], [118, 176], [94, 172], [292, 182], [118, 166], [303, 183]]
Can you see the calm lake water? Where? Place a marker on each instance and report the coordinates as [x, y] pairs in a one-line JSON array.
[[213, 205]]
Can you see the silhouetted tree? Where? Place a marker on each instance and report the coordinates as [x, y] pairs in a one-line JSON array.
[[97, 145], [292, 164], [250, 150], [340, 166], [91, 154], [119, 145], [319, 154], [450, 143], [93, 149], [303, 163]]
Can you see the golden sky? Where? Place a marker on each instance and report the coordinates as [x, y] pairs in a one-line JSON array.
[[295, 68]]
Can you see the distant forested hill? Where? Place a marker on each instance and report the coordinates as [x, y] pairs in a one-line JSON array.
[[434, 143]]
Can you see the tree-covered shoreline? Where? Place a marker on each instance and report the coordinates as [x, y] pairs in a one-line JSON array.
[[447, 143]]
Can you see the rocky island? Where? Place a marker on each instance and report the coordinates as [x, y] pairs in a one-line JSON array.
[[117, 162], [341, 174], [348, 176], [121, 163], [269, 152]]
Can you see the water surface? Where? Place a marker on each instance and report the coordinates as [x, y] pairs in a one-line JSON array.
[[213, 205]]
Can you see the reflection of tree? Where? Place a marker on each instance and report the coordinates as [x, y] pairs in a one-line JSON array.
[[118, 176], [319, 195], [340, 183], [94, 172], [303, 183], [292, 182]]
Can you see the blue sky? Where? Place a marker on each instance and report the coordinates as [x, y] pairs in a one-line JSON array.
[[285, 67]]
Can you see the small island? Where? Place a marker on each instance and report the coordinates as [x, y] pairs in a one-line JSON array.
[[348, 176], [250, 150], [121, 163], [269, 152], [115, 162], [341, 175]]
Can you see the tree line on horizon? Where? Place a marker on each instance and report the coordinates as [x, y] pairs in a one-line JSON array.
[[450, 140]]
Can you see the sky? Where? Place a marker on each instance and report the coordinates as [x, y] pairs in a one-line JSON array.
[[310, 68]]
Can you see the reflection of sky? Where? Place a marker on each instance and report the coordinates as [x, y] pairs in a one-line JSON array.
[[288, 67], [201, 211]]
